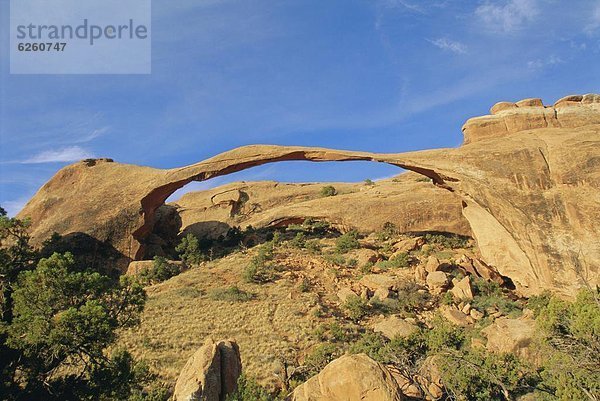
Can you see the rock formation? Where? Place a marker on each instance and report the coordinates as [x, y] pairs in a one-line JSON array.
[[350, 378], [527, 176], [211, 373]]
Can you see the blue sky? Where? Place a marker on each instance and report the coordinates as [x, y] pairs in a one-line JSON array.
[[377, 75]]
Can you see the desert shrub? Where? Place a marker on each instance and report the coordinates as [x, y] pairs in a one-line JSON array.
[[189, 250], [570, 344], [259, 270], [347, 242], [410, 297], [277, 238], [488, 294], [447, 240], [480, 376], [328, 191], [230, 294], [388, 231], [367, 268], [539, 302], [372, 344], [399, 261], [339, 333], [63, 321], [304, 285], [161, 270], [444, 336], [369, 182], [335, 259], [317, 227], [320, 356], [356, 308], [313, 246], [249, 390], [299, 241]]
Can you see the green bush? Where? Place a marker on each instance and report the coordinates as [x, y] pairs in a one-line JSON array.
[[488, 294], [356, 308], [161, 271], [321, 355], [249, 390], [299, 241], [328, 191], [63, 321], [482, 376], [260, 270], [401, 260], [447, 240], [304, 285], [539, 302], [189, 250], [230, 294], [372, 344], [313, 246], [570, 345], [369, 182], [347, 242]]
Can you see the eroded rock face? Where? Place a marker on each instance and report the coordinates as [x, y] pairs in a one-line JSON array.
[[509, 118], [350, 378], [507, 335], [211, 373], [527, 180]]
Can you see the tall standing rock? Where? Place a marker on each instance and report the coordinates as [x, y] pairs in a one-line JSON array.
[[211, 373]]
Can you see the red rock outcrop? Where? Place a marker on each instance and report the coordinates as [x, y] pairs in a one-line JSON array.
[[527, 176]]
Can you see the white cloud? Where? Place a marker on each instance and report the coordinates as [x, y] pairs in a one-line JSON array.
[[92, 135], [508, 17], [541, 63], [68, 154], [405, 4], [449, 45], [594, 22]]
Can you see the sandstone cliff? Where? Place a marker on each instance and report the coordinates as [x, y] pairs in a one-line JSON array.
[[527, 178]]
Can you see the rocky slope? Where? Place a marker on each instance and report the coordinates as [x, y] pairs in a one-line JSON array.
[[527, 178]]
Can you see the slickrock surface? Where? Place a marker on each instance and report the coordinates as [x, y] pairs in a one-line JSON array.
[[527, 177]]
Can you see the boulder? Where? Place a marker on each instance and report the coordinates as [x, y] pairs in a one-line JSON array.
[[407, 245], [510, 335], [382, 293], [345, 293], [420, 274], [455, 316], [376, 281], [437, 281], [211, 373], [501, 106], [433, 264], [350, 378], [136, 267], [364, 256], [462, 289], [394, 326]]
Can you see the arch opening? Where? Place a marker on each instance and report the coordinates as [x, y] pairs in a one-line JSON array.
[[163, 202]]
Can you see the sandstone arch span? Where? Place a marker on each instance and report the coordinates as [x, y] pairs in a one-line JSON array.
[[530, 190]]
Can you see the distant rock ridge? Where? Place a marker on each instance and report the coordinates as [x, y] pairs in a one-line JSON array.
[[527, 181], [508, 118]]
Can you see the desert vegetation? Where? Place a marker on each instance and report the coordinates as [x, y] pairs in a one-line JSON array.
[[303, 296]]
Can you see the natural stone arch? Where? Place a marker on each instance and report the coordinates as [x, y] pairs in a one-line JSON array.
[[531, 200]]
